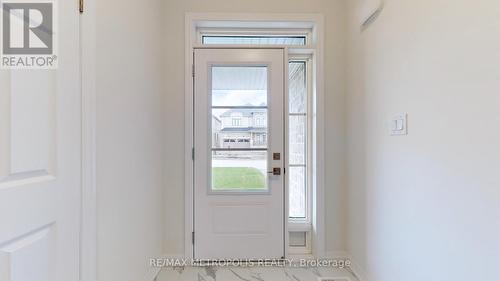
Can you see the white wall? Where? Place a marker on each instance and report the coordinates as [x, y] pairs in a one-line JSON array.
[[130, 137], [334, 11], [426, 206]]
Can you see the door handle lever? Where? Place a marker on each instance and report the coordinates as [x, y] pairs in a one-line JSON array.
[[275, 172]]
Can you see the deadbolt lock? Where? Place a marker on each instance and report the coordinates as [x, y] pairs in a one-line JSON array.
[[275, 172]]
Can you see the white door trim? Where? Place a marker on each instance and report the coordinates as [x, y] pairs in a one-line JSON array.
[[88, 242], [315, 22]]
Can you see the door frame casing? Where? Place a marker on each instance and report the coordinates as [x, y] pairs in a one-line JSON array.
[[88, 240], [314, 22]]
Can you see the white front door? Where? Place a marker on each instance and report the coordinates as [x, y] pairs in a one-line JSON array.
[[238, 201], [40, 163]]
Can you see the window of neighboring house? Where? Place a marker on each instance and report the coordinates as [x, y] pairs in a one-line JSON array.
[[259, 139], [236, 122], [258, 122]]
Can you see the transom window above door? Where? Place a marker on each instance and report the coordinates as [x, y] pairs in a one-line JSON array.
[[299, 40]]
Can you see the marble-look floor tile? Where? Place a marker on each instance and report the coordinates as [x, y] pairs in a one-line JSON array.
[[250, 274]]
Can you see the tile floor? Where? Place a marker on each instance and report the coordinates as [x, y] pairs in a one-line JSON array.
[[252, 274]]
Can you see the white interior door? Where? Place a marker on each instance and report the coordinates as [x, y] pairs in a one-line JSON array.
[[238, 201], [40, 161]]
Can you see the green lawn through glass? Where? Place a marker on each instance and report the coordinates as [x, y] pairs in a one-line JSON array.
[[237, 178]]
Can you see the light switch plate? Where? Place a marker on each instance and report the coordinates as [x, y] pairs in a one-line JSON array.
[[398, 125]]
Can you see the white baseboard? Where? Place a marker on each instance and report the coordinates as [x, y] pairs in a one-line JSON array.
[[337, 255], [357, 270]]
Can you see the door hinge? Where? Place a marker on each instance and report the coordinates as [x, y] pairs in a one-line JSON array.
[[192, 153], [192, 69], [192, 237], [80, 5]]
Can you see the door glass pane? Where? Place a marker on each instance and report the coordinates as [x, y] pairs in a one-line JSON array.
[[239, 128], [239, 170], [255, 40], [239, 86], [297, 185]]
